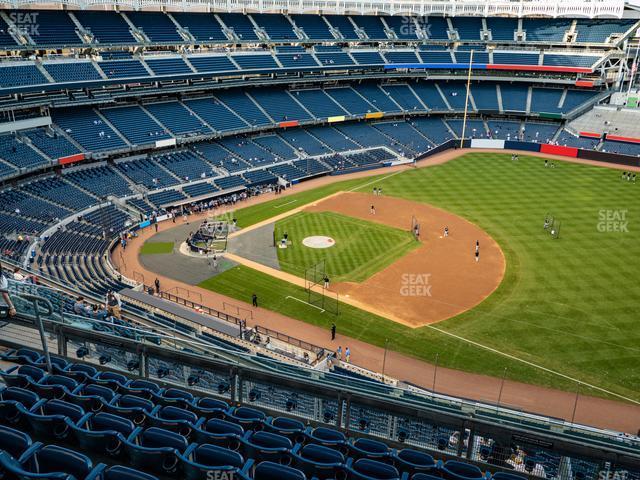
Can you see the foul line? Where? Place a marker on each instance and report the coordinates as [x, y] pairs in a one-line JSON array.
[[531, 364], [322, 310], [375, 181], [284, 204], [498, 352]]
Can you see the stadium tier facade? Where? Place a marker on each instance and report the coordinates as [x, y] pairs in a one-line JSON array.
[[115, 116]]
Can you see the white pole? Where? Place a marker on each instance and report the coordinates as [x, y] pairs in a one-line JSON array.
[[466, 103]]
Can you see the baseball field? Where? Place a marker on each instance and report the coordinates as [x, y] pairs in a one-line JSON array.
[[565, 310]]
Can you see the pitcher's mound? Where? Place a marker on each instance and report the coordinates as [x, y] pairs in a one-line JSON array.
[[318, 241]]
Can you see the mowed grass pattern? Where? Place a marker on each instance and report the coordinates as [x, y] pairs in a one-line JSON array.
[[362, 248], [571, 305]]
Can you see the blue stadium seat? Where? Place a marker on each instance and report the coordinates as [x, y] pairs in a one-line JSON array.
[[174, 419], [274, 471], [267, 446], [414, 461], [454, 470], [140, 388], [317, 461], [132, 407], [22, 356], [366, 469], [247, 417], [102, 433], [173, 396], [49, 460], [112, 380], [287, 427], [118, 472], [198, 461], [327, 437], [155, 449], [22, 376], [54, 386], [220, 432], [209, 407], [367, 448], [10, 397], [91, 397], [15, 442], [49, 419]]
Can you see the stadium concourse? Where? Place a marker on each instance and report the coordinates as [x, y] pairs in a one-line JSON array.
[[114, 121]]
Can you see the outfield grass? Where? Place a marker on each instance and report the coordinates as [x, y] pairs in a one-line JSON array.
[[570, 305], [362, 248], [263, 211], [155, 248]]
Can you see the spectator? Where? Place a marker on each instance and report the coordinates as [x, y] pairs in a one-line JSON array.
[[79, 307], [17, 276], [113, 305], [157, 284], [4, 292]]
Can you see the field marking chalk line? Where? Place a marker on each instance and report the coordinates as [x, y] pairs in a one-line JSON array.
[[322, 310]]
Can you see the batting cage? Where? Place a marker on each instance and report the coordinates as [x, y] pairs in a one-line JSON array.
[[316, 281]]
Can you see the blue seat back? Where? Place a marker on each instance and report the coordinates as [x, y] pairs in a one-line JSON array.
[[274, 471], [371, 469], [52, 458], [14, 441]]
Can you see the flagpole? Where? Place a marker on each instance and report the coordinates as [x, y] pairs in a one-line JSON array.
[[466, 103]]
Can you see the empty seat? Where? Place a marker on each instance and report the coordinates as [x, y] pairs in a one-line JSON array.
[[10, 398], [92, 398], [454, 470], [174, 419], [132, 407], [327, 437], [141, 388], [155, 449], [50, 462], [413, 461], [209, 407], [55, 386], [50, 419], [102, 433], [288, 427], [14, 441], [80, 372], [22, 376], [111, 379], [366, 448], [274, 471], [366, 469], [317, 461], [118, 472], [199, 460], [22, 355], [173, 396], [247, 417], [267, 446], [220, 432]]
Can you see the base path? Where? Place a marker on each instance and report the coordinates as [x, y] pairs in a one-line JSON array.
[[436, 281], [545, 401]]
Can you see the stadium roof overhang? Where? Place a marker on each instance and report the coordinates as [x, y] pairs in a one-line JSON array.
[[522, 8]]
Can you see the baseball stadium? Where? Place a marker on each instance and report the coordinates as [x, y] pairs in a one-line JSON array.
[[320, 239]]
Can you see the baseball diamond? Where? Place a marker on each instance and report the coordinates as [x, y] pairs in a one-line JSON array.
[[320, 240]]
